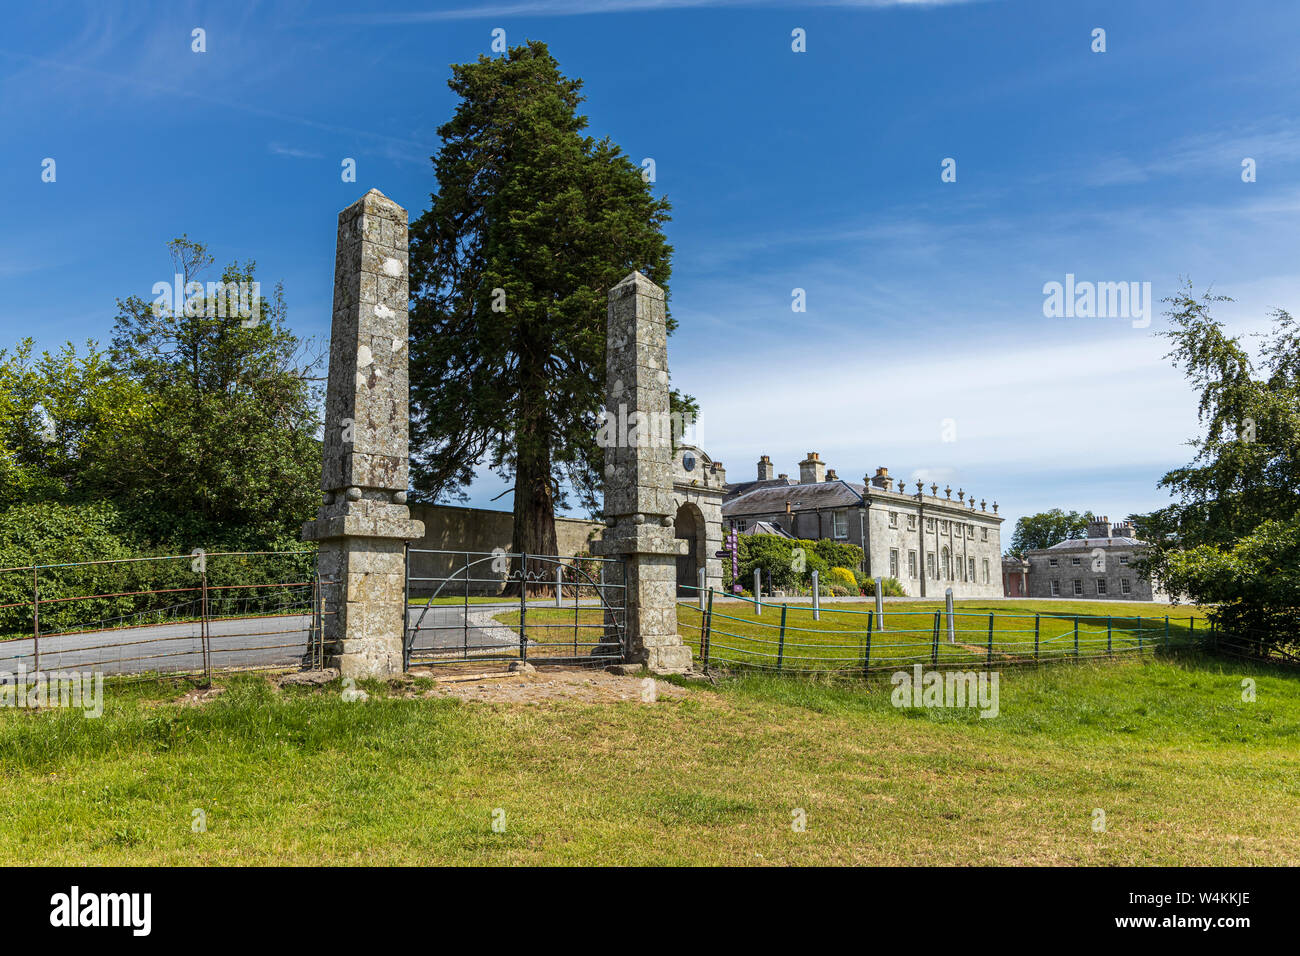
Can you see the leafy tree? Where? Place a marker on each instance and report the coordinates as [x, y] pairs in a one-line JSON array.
[[224, 448], [1042, 530], [55, 412], [1232, 537], [533, 222]]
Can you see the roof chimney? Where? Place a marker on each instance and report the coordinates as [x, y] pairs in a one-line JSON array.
[[831, 476], [1099, 527], [1124, 529], [881, 480], [812, 470], [765, 468]]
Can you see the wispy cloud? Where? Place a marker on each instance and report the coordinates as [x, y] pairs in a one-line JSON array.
[[293, 152], [570, 8]]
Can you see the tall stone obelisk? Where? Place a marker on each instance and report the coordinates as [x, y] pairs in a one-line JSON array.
[[364, 522], [639, 511]]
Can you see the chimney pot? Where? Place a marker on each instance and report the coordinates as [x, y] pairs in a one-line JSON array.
[[812, 470]]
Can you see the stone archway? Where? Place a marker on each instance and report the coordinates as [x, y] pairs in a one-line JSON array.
[[689, 526]]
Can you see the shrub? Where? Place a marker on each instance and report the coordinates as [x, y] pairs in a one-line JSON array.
[[842, 578], [836, 554], [889, 587]]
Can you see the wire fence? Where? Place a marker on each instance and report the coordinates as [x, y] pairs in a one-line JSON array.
[[500, 606], [173, 614], [805, 639]]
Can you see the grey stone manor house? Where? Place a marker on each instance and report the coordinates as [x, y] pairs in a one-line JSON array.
[[928, 541]]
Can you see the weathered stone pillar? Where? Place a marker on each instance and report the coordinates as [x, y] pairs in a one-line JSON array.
[[638, 473], [364, 522]]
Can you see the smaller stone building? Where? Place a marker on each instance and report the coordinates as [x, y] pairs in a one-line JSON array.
[[1099, 567]]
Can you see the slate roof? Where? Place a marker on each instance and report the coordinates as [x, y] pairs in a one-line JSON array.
[[1072, 543], [771, 500], [766, 527], [738, 488]]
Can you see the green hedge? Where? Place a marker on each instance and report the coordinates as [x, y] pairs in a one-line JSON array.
[[107, 592]]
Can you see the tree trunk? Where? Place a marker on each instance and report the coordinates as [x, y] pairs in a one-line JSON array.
[[534, 510]]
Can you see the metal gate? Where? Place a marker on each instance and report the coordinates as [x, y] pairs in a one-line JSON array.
[[501, 606]]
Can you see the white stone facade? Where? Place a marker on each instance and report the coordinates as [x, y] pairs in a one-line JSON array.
[[929, 542]]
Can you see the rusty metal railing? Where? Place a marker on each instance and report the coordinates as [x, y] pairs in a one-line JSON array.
[[172, 614]]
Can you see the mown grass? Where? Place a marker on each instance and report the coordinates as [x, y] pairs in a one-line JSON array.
[[1185, 770], [1022, 630]]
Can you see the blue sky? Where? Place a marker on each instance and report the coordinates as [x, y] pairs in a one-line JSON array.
[[817, 170]]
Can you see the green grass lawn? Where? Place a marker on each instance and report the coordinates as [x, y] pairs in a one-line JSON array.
[[1186, 772], [838, 640]]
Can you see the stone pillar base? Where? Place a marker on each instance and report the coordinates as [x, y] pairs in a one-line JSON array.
[[363, 580], [669, 659]]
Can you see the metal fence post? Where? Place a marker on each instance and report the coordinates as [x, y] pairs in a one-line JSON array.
[[758, 590], [523, 607], [990, 660], [1108, 645], [318, 612], [36, 621], [952, 625], [934, 647], [816, 596], [866, 656], [880, 601], [1037, 621], [701, 578], [406, 606], [1076, 637], [203, 628], [780, 641], [708, 627], [559, 584], [1139, 635]]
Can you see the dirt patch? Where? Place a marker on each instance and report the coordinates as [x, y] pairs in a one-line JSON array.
[[546, 684], [198, 696]]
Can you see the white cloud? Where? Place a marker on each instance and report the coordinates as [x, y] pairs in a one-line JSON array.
[[567, 8]]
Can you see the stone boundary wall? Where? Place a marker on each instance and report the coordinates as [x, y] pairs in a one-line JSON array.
[[453, 527]]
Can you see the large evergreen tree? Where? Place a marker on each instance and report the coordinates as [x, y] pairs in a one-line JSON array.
[[532, 223]]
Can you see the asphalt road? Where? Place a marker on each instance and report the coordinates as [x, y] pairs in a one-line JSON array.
[[248, 642]]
